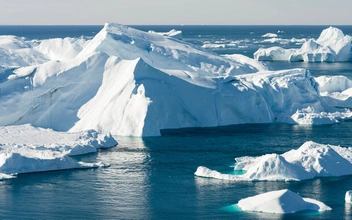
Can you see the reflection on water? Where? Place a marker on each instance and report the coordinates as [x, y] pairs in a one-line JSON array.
[[125, 184], [348, 211]]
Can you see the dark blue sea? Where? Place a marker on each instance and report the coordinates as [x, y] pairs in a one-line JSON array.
[[153, 178]]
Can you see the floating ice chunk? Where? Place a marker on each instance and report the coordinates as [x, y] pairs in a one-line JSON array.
[[172, 33], [25, 149], [281, 202], [309, 161], [273, 53], [308, 116], [6, 176], [213, 46], [331, 46], [23, 159], [348, 196], [74, 143], [271, 35]]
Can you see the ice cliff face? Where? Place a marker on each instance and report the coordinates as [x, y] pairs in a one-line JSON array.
[[331, 46], [130, 82]]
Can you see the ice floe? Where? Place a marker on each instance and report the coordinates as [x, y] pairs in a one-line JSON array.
[[281, 202], [309, 161], [331, 46], [25, 149]]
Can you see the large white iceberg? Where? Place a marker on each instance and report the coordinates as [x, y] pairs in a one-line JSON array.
[[331, 46], [309, 161], [129, 82], [281, 202], [25, 149]]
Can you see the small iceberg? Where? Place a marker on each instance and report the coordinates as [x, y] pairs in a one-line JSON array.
[[281, 202], [270, 35], [27, 149], [6, 176], [172, 33], [348, 196], [309, 161]]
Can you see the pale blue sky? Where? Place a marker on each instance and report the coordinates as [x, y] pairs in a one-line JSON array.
[[176, 12]]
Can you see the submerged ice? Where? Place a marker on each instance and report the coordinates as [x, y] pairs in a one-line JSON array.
[[309, 161], [128, 82]]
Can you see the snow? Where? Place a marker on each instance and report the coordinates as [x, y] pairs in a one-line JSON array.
[[133, 83], [271, 35], [281, 202], [309, 161], [331, 46], [25, 149], [348, 196], [61, 49], [172, 33]]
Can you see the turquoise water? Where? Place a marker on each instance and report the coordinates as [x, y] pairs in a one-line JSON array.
[[153, 178]]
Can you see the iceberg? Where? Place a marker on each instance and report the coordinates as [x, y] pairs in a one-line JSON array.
[[6, 176], [336, 90], [172, 33], [348, 196], [309, 161], [281, 202], [70, 143], [134, 83], [331, 46], [270, 35], [25, 149]]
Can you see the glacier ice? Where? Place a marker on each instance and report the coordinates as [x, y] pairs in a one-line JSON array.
[[331, 46], [134, 83], [25, 149], [309, 161], [281, 202]]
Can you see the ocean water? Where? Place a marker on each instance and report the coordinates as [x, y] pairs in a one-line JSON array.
[[153, 178]]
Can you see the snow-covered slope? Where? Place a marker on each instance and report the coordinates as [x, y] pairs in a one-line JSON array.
[[129, 82], [331, 46], [309, 161], [25, 149], [281, 202]]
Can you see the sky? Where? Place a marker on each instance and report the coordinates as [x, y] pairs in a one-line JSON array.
[[207, 12]]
